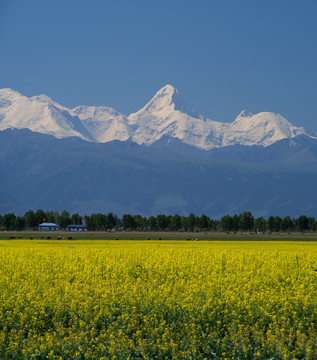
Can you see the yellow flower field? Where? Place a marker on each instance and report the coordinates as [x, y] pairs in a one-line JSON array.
[[158, 300]]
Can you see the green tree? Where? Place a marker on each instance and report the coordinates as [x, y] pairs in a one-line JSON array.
[[112, 220], [30, 219], [100, 221], [260, 224], [162, 222], [76, 219], [152, 223], [311, 224], [140, 222], [213, 225], [202, 222], [40, 217], [287, 224], [246, 221], [19, 223], [63, 220], [235, 222], [270, 223], [184, 223], [89, 223], [277, 223], [191, 222], [128, 222], [51, 216], [226, 223], [175, 222], [8, 221], [302, 223]]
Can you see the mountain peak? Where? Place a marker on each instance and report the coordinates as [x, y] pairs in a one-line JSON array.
[[8, 96], [8, 91], [48, 101], [245, 113], [165, 101], [167, 90], [166, 115], [43, 98]]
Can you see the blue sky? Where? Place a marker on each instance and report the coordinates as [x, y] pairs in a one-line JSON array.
[[223, 56]]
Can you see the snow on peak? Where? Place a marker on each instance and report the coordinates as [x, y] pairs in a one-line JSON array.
[[263, 128], [46, 99], [43, 98], [8, 96], [167, 90], [37, 114], [104, 123], [165, 116], [245, 113], [165, 101], [7, 92]]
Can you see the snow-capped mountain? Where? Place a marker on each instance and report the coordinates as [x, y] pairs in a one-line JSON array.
[[264, 129], [40, 114], [104, 123], [165, 116]]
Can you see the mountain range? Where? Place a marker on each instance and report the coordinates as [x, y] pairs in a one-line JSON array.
[[165, 158], [165, 117]]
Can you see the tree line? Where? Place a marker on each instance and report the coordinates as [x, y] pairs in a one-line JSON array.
[[107, 222]]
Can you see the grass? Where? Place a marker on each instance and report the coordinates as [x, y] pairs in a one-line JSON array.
[[139, 235]]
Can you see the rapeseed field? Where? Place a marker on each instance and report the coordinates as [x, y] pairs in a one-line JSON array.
[[158, 300]]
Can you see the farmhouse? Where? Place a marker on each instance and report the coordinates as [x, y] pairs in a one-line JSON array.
[[76, 228], [48, 227]]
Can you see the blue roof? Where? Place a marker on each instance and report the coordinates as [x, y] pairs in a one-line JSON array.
[[48, 224]]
